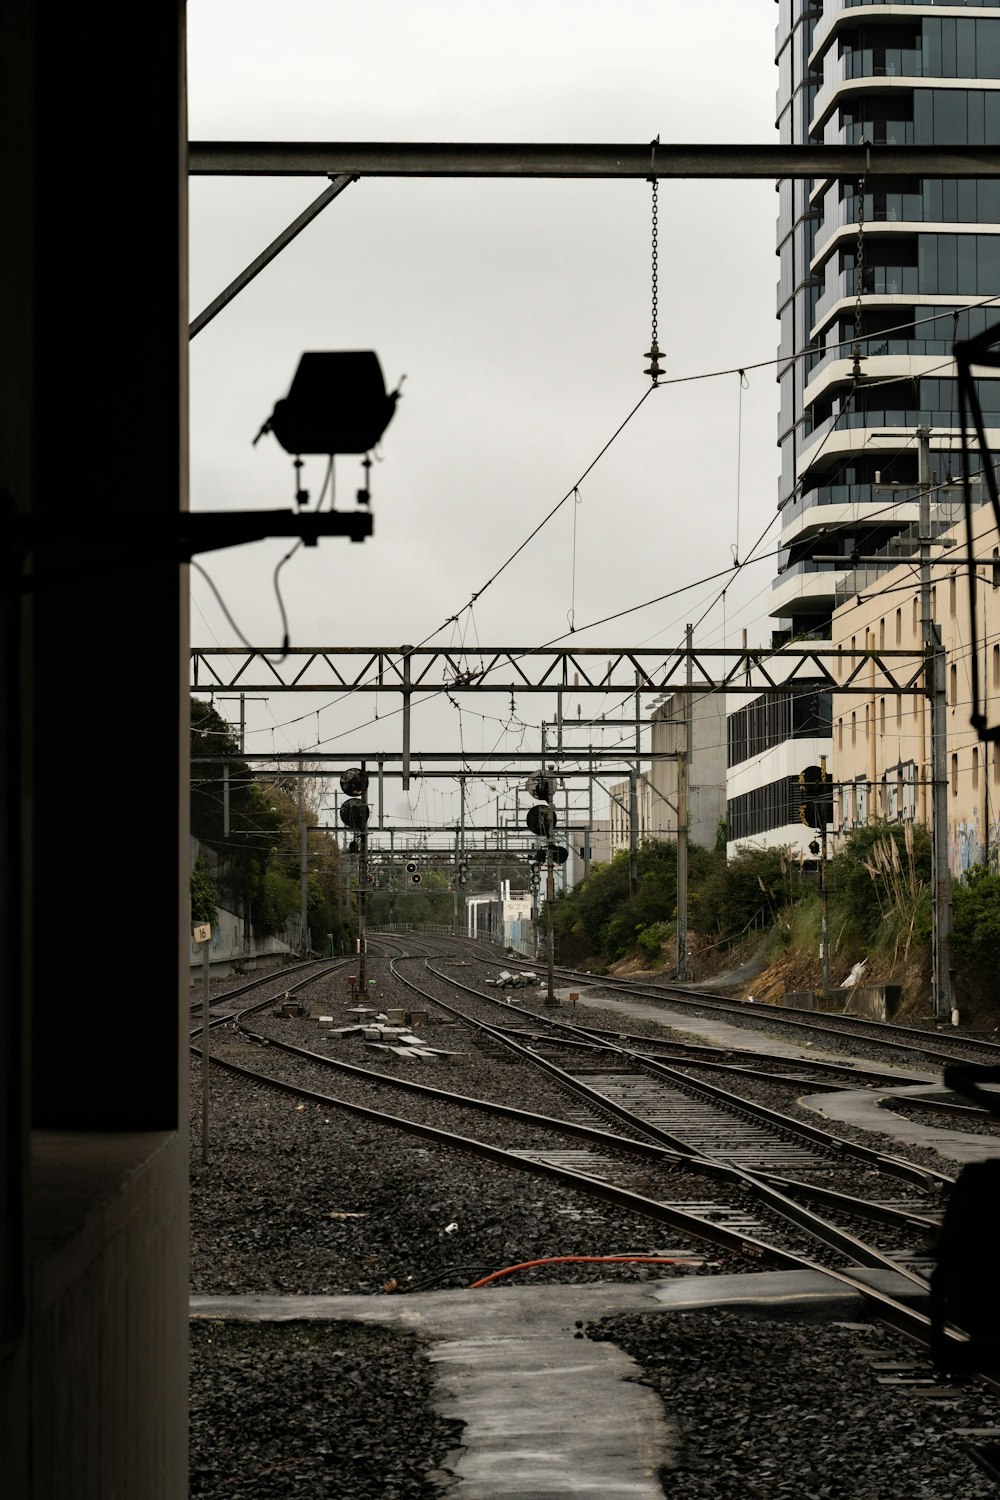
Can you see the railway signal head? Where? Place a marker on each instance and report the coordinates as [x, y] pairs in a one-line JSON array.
[[815, 797], [415, 878], [541, 819], [411, 866], [540, 787], [354, 813], [354, 782]]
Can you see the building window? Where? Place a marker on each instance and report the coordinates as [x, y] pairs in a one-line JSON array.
[[975, 768], [899, 627], [996, 765], [881, 635], [954, 775], [861, 798], [953, 685], [953, 594], [840, 734], [854, 727], [996, 666], [867, 724], [996, 567], [881, 716], [916, 615], [899, 710], [909, 791], [845, 806], [891, 795]]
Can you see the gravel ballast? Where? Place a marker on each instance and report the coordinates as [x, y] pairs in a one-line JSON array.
[[298, 1199]]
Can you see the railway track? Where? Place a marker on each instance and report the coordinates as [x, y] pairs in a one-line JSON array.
[[766, 1196]]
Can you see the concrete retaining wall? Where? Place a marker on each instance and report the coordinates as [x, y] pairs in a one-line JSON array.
[[876, 1002]]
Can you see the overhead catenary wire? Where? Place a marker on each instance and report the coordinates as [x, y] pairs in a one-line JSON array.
[[739, 370]]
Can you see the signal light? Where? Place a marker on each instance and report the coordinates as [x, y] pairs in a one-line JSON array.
[[540, 787], [416, 878], [815, 797], [354, 813], [541, 819], [411, 865], [354, 782]]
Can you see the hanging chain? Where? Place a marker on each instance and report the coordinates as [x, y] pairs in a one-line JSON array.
[[859, 277], [653, 354]]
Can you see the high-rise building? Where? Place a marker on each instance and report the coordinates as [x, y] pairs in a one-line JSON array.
[[877, 278]]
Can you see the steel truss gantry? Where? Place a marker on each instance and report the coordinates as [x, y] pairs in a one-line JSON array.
[[439, 670]]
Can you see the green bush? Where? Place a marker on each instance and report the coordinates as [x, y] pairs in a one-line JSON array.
[[203, 895], [975, 918], [753, 885], [878, 881], [650, 940]]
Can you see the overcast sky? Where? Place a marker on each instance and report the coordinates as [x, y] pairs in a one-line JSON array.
[[520, 314]]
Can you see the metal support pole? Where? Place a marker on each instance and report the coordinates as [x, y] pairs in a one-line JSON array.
[[206, 947], [824, 941], [550, 897], [225, 800], [590, 818], [633, 834], [936, 693], [362, 912], [303, 871], [406, 717], [362, 898], [266, 256], [454, 887], [683, 821]]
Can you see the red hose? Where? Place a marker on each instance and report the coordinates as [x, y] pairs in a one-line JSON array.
[[557, 1260]]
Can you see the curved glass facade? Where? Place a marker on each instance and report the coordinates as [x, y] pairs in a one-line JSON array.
[[878, 278], [876, 281]]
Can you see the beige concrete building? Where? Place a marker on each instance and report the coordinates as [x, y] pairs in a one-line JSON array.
[[881, 744], [656, 789]]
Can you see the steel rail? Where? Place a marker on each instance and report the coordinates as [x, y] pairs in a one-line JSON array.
[[797, 1129], [900, 1314]]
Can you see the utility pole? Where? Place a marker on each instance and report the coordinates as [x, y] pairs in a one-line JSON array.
[[633, 834], [824, 941], [303, 869], [936, 691], [683, 819]]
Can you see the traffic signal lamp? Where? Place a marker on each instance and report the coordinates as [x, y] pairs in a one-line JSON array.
[[541, 819], [354, 813], [815, 797], [411, 866], [354, 782]]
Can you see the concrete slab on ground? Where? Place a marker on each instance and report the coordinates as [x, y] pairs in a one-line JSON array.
[[550, 1414]]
